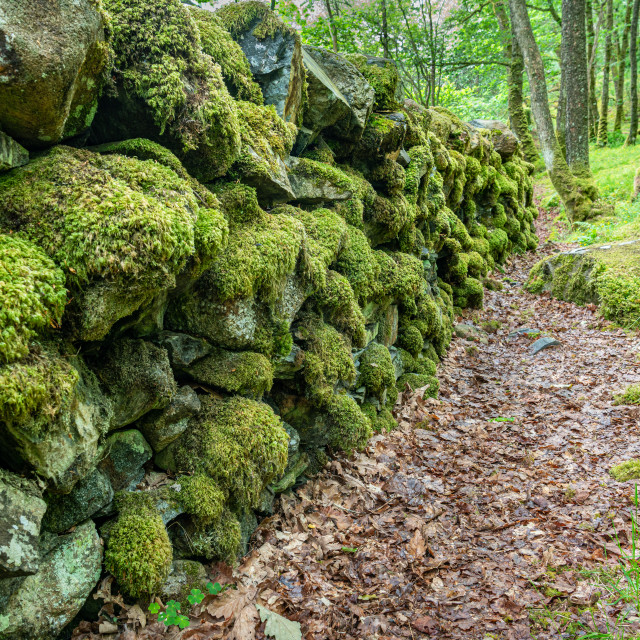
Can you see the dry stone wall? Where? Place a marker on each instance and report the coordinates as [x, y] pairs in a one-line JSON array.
[[227, 271]]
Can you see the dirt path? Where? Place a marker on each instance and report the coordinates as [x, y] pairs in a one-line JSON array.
[[474, 518]]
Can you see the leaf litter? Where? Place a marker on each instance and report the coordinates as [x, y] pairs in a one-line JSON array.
[[480, 511]]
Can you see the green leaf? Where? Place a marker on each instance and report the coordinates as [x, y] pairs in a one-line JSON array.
[[278, 627], [214, 589], [182, 621], [367, 597], [154, 607], [349, 549], [196, 596]]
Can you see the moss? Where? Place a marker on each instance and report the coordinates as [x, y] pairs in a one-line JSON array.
[[381, 421], [377, 373], [498, 243], [411, 340], [407, 280], [388, 176], [237, 18], [32, 295], [247, 373], [327, 358], [159, 60], [239, 202], [220, 541], [629, 470], [349, 427], [424, 365], [139, 553], [238, 442], [469, 294], [631, 395], [382, 75], [392, 213], [338, 302], [135, 223], [358, 264], [35, 390], [458, 268], [419, 167], [417, 381], [477, 267], [218, 43], [201, 498]]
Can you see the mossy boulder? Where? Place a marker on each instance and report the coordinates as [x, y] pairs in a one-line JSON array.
[[274, 53], [316, 183], [42, 604], [120, 229], [504, 141], [54, 63], [165, 88], [606, 275], [125, 452], [382, 74], [11, 153]]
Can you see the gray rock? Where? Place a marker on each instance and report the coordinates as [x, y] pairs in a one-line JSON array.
[[161, 428], [286, 367], [183, 349], [88, 496], [471, 333], [125, 453], [380, 140], [339, 97], [138, 376], [41, 605], [544, 343], [184, 576], [51, 61], [404, 159], [21, 511], [313, 189], [275, 60], [11, 153], [505, 142], [524, 331]]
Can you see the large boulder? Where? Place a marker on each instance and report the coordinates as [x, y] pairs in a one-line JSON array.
[[382, 74], [315, 183], [505, 142], [126, 452], [53, 57], [21, 511], [41, 605], [274, 53], [339, 97]]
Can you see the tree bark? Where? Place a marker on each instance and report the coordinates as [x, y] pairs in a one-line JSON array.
[[385, 30], [561, 111], [332, 26], [633, 71], [591, 51], [622, 64], [576, 86], [578, 203], [604, 102]]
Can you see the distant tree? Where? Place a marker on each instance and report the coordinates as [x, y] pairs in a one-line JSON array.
[[633, 71], [603, 134]]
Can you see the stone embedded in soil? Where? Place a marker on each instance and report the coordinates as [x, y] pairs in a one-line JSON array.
[[544, 343]]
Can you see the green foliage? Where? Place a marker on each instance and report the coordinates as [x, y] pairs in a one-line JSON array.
[[377, 372], [631, 395], [629, 470], [202, 498]]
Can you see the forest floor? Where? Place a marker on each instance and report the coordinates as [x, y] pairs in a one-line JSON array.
[[488, 513]]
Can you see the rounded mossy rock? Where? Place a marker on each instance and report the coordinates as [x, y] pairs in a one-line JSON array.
[[139, 553], [349, 428], [376, 371], [32, 295], [238, 442], [382, 75], [202, 498], [121, 229], [165, 88]]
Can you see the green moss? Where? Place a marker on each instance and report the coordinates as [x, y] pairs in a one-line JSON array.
[[358, 264], [407, 280], [218, 43], [411, 340], [139, 553], [201, 498], [220, 541], [469, 294], [498, 243], [388, 176], [629, 470], [477, 267], [382, 76], [377, 373], [381, 421], [238, 442], [419, 167], [238, 17], [418, 380], [32, 295], [392, 213], [247, 373], [349, 427], [338, 302], [631, 395], [239, 202], [159, 60]]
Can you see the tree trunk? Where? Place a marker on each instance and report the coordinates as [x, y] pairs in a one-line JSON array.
[[622, 63], [561, 111], [579, 205], [633, 71], [591, 51], [385, 30], [604, 103], [576, 87], [332, 26]]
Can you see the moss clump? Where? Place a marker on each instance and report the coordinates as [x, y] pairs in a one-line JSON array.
[[377, 373], [218, 43], [159, 60], [139, 553], [239, 17], [239, 202], [201, 498], [418, 381], [221, 541], [245, 372], [631, 395], [349, 427], [382, 75], [381, 421], [238, 442], [629, 470], [32, 295], [411, 340], [359, 265], [469, 294]]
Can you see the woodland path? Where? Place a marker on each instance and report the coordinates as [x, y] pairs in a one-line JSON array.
[[453, 525]]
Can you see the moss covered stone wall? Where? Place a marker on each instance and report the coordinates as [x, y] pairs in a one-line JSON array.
[[193, 299]]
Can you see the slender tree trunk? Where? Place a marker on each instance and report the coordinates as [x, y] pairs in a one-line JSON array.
[[579, 205], [622, 63], [604, 103], [574, 63], [591, 51], [332, 26], [385, 30], [633, 71], [517, 118], [561, 111]]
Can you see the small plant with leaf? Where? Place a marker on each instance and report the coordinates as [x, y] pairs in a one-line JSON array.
[[171, 615]]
